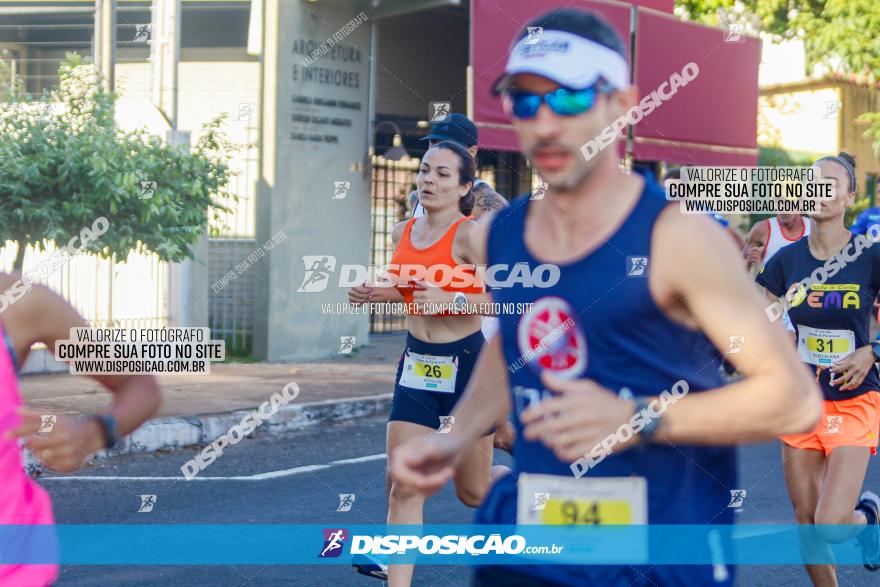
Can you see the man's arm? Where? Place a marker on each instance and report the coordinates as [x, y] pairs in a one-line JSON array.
[[695, 272], [777, 395], [136, 398], [755, 243], [486, 399], [48, 318], [486, 201], [737, 238]]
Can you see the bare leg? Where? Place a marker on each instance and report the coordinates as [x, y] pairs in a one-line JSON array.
[[475, 473], [840, 491], [804, 471], [404, 506]]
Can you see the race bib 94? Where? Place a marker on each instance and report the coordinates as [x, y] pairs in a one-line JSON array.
[[552, 499]]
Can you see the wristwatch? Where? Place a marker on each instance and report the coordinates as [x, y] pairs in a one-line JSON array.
[[459, 301], [651, 424], [875, 347], [110, 427]]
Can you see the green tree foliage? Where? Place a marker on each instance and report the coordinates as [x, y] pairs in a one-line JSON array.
[[862, 204], [64, 163], [843, 35], [776, 157]]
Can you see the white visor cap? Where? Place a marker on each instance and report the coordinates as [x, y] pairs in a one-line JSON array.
[[568, 59]]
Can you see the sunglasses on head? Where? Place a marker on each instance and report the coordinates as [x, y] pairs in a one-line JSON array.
[[562, 101]]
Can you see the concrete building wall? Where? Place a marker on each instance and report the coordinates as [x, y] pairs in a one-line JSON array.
[[314, 134], [422, 58]]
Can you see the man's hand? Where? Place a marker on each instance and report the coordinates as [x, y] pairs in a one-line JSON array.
[[753, 255], [850, 371], [577, 419], [66, 446], [757, 239], [425, 464]]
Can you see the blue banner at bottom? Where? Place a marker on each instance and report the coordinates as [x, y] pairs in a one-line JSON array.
[[172, 544]]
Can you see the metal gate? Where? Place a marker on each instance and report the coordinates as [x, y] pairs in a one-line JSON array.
[[392, 183], [231, 292]]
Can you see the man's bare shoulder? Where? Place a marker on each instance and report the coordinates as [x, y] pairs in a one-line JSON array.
[[688, 244], [487, 199], [7, 279], [760, 231], [486, 203]]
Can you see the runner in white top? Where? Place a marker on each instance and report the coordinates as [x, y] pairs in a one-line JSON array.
[[767, 237], [770, 235]]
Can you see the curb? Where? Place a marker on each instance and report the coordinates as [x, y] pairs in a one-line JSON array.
[[183, 431]]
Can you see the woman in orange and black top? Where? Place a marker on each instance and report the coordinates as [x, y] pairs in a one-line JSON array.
[[830, 279], [431, 259]]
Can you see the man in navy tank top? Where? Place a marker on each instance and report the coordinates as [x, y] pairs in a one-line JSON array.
[[621, 414]]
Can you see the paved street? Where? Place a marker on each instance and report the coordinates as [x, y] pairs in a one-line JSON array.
[[307, 496]]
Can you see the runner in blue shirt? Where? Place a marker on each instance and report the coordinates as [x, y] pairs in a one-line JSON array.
[[645, 296]]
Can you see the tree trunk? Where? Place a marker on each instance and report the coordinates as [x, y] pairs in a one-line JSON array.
[[19, 256]]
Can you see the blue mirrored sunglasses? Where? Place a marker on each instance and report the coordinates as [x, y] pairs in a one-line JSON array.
[[562, 101]]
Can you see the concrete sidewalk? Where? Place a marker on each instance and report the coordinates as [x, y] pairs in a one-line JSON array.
[[198, 408]]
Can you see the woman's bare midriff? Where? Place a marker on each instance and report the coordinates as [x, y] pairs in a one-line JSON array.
[[441, 329]]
